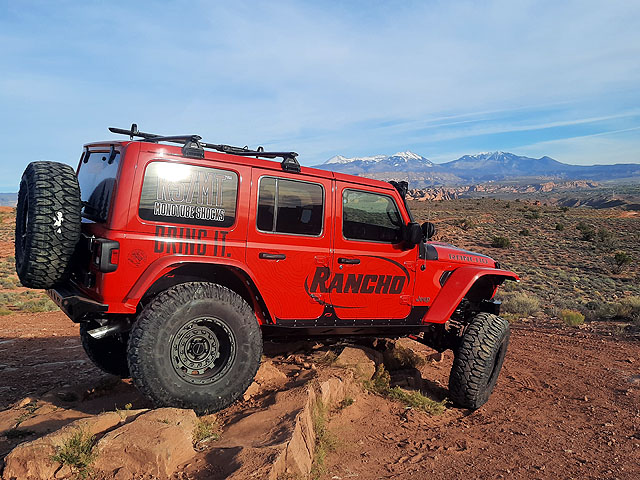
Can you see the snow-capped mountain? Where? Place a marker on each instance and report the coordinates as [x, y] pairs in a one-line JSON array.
[[473, 168], [401, 161], [505, 164]]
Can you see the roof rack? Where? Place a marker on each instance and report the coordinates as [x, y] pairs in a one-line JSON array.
[[193, 147]]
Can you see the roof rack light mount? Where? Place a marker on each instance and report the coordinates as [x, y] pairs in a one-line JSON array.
[[193, 147]]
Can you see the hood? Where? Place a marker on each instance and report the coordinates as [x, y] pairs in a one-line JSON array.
[[449, 253]]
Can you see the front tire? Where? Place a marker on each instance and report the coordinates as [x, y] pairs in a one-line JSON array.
[[478, 360], [196, 345]]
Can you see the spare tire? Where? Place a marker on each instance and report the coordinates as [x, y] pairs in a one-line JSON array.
[[47, 223]]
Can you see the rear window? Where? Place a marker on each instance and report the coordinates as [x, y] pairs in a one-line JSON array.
[[189, 194], [97, 177]]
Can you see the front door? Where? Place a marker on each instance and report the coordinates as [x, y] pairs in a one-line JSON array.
[[372, 274]]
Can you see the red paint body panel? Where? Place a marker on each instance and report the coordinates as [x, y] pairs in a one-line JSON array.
[[455, 289], [150, 250]]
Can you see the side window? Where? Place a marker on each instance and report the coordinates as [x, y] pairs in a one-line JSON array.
[[188, 194], [370, 216], [290, 206]]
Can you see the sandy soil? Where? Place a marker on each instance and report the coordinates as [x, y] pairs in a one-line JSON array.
[[567, 405]]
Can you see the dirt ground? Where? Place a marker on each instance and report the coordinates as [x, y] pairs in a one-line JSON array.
[[567, 405]]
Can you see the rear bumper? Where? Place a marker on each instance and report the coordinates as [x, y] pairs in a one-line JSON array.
[[74, 303]]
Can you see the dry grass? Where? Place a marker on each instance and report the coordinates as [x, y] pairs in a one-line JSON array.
[[557, 267]]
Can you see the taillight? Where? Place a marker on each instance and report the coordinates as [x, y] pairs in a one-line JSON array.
[[106, 254]]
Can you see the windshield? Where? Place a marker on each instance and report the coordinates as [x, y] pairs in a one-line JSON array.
[[97, 177]]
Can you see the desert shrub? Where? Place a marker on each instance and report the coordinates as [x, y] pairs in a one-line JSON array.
[[627, 309], [559, 227], [380, 384], [564, 209], [326, 441], [534, 215], [588, 235], [571, 318], [621, 260], [205, 430], [77, 452], [42, 304], [500, 242], [524, 232], [464, 224], [520, 304]]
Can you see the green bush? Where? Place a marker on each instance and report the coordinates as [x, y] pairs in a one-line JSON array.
[[524, 232], [559, 227], [500, 242], [380, 384], [621, 260], [572, 318], [77, 452], [520, 304]]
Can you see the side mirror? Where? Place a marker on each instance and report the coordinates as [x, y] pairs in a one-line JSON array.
[[412, 234], [428, 230]]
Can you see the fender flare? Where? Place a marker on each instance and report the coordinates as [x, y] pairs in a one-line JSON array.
[[455, 289], [163, 266]]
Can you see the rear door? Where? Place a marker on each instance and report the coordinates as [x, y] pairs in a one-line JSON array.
[[288, 239], [372, 275]]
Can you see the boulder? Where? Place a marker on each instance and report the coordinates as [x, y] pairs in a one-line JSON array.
[[361, 360], [32, 460], [154, 444], [267, 377]]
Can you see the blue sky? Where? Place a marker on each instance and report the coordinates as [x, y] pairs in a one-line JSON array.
[[440, 78]]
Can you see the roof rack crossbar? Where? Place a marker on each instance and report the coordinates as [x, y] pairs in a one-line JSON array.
[[192, 140]]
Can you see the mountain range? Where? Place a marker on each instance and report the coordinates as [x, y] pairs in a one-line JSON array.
[[482, 167]]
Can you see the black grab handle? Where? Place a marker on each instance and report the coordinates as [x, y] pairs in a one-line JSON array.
[[349, 261]]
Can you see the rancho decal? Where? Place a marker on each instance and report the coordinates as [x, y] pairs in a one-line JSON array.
[[323, 281], [189, 194]]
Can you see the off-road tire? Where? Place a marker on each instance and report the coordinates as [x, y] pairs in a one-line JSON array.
[[47, 223], [157, 344], [478, 360], [108, 354]]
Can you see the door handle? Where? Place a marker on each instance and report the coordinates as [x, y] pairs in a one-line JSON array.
[[272, 256], [349, 261]]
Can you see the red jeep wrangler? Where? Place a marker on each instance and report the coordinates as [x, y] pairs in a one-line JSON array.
[[177, 260]]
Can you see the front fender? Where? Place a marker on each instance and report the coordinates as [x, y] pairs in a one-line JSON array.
[[455, 289]]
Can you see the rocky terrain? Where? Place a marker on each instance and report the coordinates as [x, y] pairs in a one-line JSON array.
[[566, 404]]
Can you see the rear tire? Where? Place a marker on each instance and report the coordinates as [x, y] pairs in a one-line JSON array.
[[196, 345], [478, 360], [47, 223], [108, 354]]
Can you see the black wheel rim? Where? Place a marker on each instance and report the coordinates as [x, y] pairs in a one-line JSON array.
[[203, 350]]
